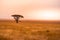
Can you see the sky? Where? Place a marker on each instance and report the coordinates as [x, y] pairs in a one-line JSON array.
[[30, 9]]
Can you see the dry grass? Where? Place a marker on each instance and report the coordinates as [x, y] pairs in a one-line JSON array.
[[29, 30]]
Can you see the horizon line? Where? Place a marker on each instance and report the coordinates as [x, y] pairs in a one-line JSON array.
[[29, 20]]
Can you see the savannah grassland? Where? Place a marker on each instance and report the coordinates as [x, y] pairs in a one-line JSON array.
[[29, 30]]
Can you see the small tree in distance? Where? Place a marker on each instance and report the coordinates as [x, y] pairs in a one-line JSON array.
[[16, 17]]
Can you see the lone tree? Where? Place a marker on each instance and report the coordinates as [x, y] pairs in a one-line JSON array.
[[16, 17]]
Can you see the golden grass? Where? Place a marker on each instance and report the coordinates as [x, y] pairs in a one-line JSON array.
[[29, 30]]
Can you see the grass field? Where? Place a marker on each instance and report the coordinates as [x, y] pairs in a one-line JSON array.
[[29, 30]]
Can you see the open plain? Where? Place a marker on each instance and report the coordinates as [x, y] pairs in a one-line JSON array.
[[29, 30]]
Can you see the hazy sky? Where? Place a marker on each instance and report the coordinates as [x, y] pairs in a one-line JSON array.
[[31, 9]]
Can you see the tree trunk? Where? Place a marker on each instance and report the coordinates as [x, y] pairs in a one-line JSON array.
[[16, 20]]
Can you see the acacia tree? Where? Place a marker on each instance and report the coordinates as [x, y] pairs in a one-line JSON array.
[[16, 17]]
